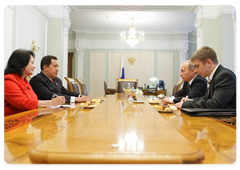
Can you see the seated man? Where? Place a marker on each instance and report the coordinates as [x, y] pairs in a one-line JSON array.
[[222, 89], [193, 86], [47, 85]]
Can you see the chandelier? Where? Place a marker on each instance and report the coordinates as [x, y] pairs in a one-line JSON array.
[[132, 39]]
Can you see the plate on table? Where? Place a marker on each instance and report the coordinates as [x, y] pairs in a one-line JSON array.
[[168, 109], [153, 101], [163, 111], [136, 101], [89, 107]]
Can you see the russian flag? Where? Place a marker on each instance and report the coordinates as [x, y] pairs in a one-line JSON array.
[[122, 73]]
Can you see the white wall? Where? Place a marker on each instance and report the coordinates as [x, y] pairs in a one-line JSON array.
[[29, 25], [165, 70], [97, 73], [22, 24], [142, 69], [8, 37]]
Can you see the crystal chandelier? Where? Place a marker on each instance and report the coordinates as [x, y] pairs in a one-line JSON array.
[[132, 39]]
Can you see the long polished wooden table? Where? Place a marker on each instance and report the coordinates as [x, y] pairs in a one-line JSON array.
[[116, 131]]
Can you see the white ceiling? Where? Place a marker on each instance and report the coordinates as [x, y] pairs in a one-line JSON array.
[[146, 18]]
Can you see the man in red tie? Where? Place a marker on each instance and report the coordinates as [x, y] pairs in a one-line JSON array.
[[47, 85]]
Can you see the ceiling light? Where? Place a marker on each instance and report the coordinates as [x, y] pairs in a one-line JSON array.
[[133, 38]]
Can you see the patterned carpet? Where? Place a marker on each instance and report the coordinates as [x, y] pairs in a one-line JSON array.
[[229, 120]]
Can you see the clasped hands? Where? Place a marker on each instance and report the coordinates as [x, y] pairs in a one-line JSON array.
[[82, 99], [179, 104], [58, 100]]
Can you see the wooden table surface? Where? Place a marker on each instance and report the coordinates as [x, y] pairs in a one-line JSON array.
[[116, 131]]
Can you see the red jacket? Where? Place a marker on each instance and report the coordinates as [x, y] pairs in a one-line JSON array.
[[18, 95]]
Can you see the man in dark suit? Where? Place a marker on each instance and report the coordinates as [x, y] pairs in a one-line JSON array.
[[193, 86], [222, 89], [47, 85]]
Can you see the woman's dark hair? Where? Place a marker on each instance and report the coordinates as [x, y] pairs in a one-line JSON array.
[[18, 61]]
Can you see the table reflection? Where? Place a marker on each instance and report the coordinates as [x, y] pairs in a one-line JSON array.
[[129, 109], [131, 142]]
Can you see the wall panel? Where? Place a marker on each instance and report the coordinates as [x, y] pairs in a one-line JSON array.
[[165, 70], [142, 69], [30, 25], [97, 73]]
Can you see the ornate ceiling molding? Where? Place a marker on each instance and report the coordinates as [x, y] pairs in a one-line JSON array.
[[186, 8], [213, 12], [54, 11], [118, 32], [81, 44], [132, 8]]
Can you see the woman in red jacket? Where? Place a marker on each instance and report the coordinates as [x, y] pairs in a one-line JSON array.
[[18, 94]]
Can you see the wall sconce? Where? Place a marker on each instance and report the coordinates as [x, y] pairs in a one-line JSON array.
[[34, 47]]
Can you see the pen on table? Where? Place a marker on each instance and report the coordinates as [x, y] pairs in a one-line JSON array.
[[186, 98]]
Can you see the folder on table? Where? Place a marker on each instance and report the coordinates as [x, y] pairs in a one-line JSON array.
[[211, 112]]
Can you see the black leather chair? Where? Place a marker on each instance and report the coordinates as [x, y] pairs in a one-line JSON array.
[[108, 90]]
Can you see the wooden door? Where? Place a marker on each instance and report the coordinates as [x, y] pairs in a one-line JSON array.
[[70, 62]]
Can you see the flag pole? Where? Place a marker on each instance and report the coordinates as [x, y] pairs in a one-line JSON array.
[[122, 72]]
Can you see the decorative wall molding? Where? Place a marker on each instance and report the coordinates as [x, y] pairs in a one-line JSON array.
[[36, 12], [182, 49], [213, 12], [132, 8], [115, 44], [51, 11], [81, 44], [235, 27], [44, 9], [183, 8], [198, 22], [234, 20], [9, 5], [87, 31], [66, 20]]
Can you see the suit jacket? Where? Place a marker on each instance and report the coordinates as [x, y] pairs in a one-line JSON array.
[[222, 92], [197, 88], [18, 95], [45, 89]]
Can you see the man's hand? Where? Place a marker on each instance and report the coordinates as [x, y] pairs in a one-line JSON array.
[[179, 104], [165, 100], [82, 99], [183, 99]]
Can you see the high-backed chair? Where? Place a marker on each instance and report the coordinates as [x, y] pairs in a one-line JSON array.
[[108, 90], [177, 86], [83, 86], [124, 83], [73, 85]]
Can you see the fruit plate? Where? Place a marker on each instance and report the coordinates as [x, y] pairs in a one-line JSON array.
[[130, 93]]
